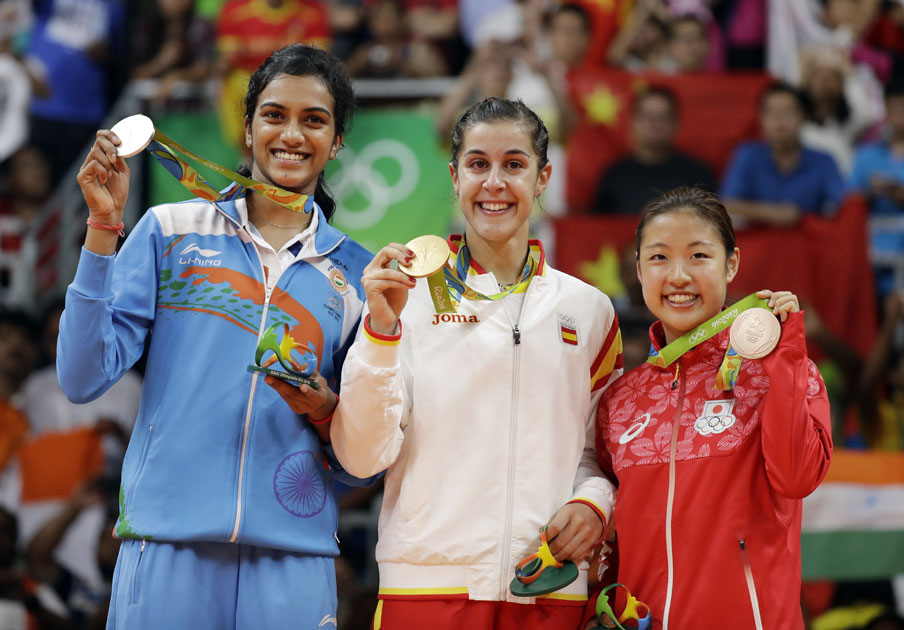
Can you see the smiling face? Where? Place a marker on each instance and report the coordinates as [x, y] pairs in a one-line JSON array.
[[497, 179], [292, 134], [684, 270]]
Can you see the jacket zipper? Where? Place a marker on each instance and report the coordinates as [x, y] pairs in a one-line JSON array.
[[254, 378], [513, 422], [751, 586], [134, 598], [238, 504], [676, 423]]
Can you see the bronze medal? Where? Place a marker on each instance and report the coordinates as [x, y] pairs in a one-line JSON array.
[[755, 333]]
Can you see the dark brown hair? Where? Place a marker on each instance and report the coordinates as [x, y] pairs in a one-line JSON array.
[[495, 109], [704, 204]]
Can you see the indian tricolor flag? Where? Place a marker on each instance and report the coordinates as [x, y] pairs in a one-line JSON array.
[[853, 523]]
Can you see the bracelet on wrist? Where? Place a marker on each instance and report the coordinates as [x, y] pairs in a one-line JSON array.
[[328, 418], [97, 225]]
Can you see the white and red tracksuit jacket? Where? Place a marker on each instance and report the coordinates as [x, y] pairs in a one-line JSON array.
[[708, 513]]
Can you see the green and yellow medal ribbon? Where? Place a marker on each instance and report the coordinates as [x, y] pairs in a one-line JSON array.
[[448, 286], [731, 364], [167, 151]]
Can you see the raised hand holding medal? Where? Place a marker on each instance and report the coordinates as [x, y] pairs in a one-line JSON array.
[[756, 332]]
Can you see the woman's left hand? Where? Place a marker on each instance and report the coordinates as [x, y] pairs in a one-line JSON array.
[[316, 404], [781, 302], [572, 532]]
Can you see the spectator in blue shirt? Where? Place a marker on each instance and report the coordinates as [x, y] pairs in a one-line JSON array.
[[777, 180], [878, 173], [878, 170]]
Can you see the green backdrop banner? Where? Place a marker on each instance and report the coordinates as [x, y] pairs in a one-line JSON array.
[[390, 181]]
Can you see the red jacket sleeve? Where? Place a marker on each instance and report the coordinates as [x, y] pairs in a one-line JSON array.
[[796, 426]]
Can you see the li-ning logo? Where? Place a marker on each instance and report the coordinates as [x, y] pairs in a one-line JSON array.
[[327, 619], [446, 318], [202, 260], [635, 429]]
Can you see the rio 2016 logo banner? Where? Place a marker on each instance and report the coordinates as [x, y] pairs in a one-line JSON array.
[[391, 179]]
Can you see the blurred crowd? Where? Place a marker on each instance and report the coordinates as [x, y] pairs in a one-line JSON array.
[[830, 126]]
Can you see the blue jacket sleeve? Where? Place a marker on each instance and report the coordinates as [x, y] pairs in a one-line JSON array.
[[109, 308]]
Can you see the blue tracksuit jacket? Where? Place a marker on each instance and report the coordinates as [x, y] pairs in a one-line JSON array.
[[216, 454]]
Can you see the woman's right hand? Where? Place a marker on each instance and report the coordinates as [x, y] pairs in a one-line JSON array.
[[104, 179], [386, 288]]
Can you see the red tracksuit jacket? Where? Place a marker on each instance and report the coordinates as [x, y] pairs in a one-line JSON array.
[[710, 482]]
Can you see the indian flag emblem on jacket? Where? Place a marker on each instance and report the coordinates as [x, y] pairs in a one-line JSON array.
[[568, 329]]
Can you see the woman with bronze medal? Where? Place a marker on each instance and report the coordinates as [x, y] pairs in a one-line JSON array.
[[227, 513], [716, 439], [475, 390]]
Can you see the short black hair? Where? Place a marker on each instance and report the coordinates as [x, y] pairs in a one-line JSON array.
[[576, 9], [894, 89], [17, 319], [659, 91], [780, 87]]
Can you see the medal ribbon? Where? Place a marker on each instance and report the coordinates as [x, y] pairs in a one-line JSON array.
[[731, 364], [166, 151], [448, 286]]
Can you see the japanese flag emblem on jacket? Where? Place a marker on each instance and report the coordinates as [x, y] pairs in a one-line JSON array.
[[716, 417]]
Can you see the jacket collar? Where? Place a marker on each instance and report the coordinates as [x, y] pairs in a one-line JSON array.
[[534, 245], [326, 239], [711, 351]]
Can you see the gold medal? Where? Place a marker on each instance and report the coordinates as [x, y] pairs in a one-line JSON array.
[[755, 333], [135, 134], [430, 255]]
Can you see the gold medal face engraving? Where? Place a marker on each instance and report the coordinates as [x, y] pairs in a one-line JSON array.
[[430, 255], [135, 134], [755, 333]]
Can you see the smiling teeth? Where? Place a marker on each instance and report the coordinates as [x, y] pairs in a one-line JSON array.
[[680, 299], [493, 207], [283, 155]]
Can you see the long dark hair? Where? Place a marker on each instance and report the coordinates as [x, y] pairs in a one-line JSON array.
[[307, 61]]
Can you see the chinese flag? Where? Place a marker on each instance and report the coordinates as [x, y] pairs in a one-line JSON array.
[[716, 112]]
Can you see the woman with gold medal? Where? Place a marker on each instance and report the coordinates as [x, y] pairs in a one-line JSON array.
[[477, 395]]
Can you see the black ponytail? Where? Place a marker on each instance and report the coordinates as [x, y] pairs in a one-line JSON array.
[[323, 199]]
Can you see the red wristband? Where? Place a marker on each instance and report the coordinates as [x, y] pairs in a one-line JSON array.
[[329, 417], [118, 228]]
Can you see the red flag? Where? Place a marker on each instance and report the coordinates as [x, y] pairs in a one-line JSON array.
[[716, 112], [823, 261]]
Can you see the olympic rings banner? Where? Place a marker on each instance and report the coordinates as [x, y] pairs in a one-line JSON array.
[[390, 181]]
